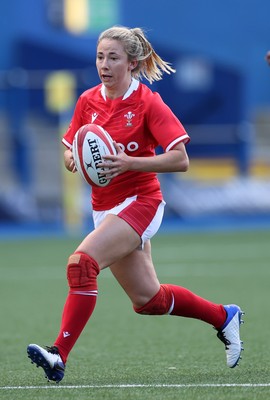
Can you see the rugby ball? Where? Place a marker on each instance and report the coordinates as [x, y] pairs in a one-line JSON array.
[[90, 144]]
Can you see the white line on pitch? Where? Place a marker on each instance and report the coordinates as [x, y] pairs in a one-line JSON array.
[[201, 385]]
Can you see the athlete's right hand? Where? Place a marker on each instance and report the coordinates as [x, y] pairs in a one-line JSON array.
[[69, 161]]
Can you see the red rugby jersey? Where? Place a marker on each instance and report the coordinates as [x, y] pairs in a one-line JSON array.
[[139, 122]]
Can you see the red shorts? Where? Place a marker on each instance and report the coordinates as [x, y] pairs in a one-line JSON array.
[[143, 213]]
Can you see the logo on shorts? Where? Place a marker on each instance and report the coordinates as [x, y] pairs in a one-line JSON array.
[[129, 115]]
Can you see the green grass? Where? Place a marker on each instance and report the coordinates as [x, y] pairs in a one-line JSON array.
[[119, 347]]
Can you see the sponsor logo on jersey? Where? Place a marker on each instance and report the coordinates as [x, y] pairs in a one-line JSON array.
[[129, 115], [131, 146]]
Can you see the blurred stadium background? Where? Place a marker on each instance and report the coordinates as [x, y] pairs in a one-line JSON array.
[[220, 92]]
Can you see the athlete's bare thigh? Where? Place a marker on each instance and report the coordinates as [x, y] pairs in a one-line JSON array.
[[112, 240], [137, 275]]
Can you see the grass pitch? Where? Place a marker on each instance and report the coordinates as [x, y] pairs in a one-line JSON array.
[[122, 355]]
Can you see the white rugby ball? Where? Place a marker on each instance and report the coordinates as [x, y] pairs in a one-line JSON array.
[[90, 144]]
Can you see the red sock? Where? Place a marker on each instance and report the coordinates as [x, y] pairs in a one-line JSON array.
[[176, 300], [188, 304], [77, 311], [82, 271]]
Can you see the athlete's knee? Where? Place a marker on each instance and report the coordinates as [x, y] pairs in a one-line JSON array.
[[82, 271], [160, 304]]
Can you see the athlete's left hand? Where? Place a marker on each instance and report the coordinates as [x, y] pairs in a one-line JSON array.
[[115, 165]]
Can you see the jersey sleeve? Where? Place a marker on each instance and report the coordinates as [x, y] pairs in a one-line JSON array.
[[164, 125], [74, 125]]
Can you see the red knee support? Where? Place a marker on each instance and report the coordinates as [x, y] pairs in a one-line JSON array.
[[160, 304], [82, 271]]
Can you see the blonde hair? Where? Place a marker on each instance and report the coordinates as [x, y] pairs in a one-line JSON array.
[[150, 65]]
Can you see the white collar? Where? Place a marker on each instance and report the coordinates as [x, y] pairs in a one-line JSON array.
[[133, 86]]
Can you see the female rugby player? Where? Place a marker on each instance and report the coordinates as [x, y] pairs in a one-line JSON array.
[[128, 212]]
